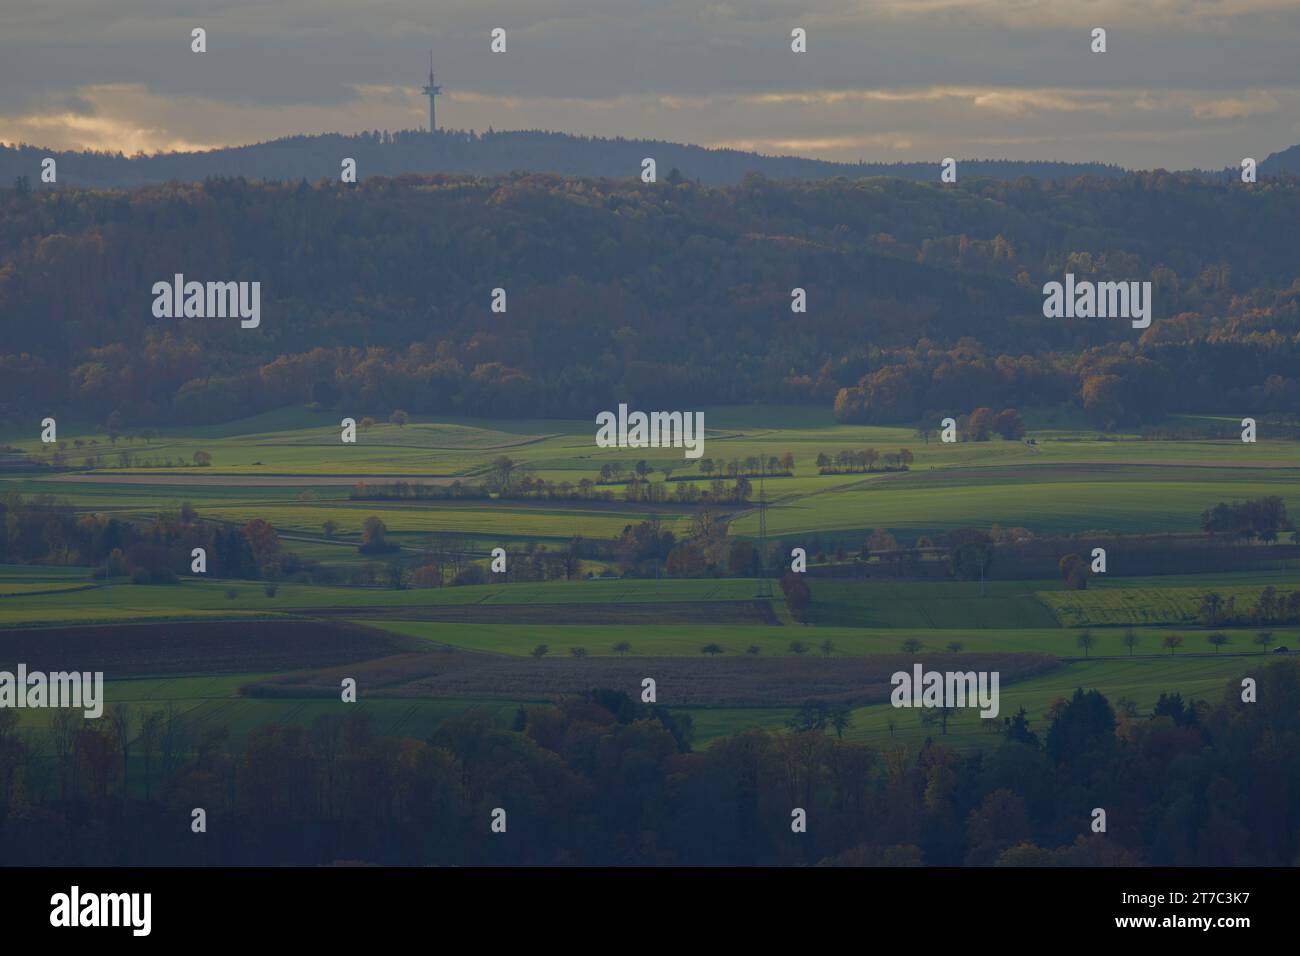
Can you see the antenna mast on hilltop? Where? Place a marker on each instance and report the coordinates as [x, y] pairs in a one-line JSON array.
[[431, 91]]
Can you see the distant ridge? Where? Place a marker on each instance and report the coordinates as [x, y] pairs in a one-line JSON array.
[[1282, 162], [491, 153]]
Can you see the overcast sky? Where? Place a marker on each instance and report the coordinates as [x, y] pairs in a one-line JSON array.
[[1184, 83]]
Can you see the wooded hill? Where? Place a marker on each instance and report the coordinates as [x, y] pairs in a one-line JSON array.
[[921, 297], [384, 153]]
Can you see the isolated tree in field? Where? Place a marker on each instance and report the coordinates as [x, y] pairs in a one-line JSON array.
[[578, 652], [811, 716], [540, 651], [202, 459], [1217, 640], [1264, 638], [711, 649], [753, 649], [970, 553], [841, 719], [373, 532], [940, 715], [828, 646], [979, 425], [787, 462], [262, 540], [503, 470], [1086, 641], [1009, 425], [367, 422], [330, 527], [798, 647], [1074, 571], [798, 596], [1172, 641], [1130, 640], [271, 589], [399, 418], [954, 647], [912, 646], [621, 648]]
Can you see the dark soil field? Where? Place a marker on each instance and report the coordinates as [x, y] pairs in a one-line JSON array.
[[131, 650], [680, 612], [680, 681]]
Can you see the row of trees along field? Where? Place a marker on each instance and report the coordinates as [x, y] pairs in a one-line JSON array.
[[920, 298], [41, 530], [1188, 784]]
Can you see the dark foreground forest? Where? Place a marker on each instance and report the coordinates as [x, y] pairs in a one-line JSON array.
[[600, 780]]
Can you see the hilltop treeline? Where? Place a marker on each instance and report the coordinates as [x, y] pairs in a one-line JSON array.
[[493, 153], [921, 299], [599, 779]]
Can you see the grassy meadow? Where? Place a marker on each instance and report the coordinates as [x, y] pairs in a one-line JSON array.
[[290, 468]]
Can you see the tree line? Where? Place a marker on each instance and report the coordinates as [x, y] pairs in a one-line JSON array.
[[598, 778]]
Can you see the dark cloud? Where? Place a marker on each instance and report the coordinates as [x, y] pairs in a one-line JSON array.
[[581, 67]]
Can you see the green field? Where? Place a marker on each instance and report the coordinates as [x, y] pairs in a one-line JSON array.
[[1121, 603], [289, 467]]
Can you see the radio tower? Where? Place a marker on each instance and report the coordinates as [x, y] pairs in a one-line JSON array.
[[431, 91]]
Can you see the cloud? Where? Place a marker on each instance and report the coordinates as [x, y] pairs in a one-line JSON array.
[[1237, 107], [1185, 82]]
